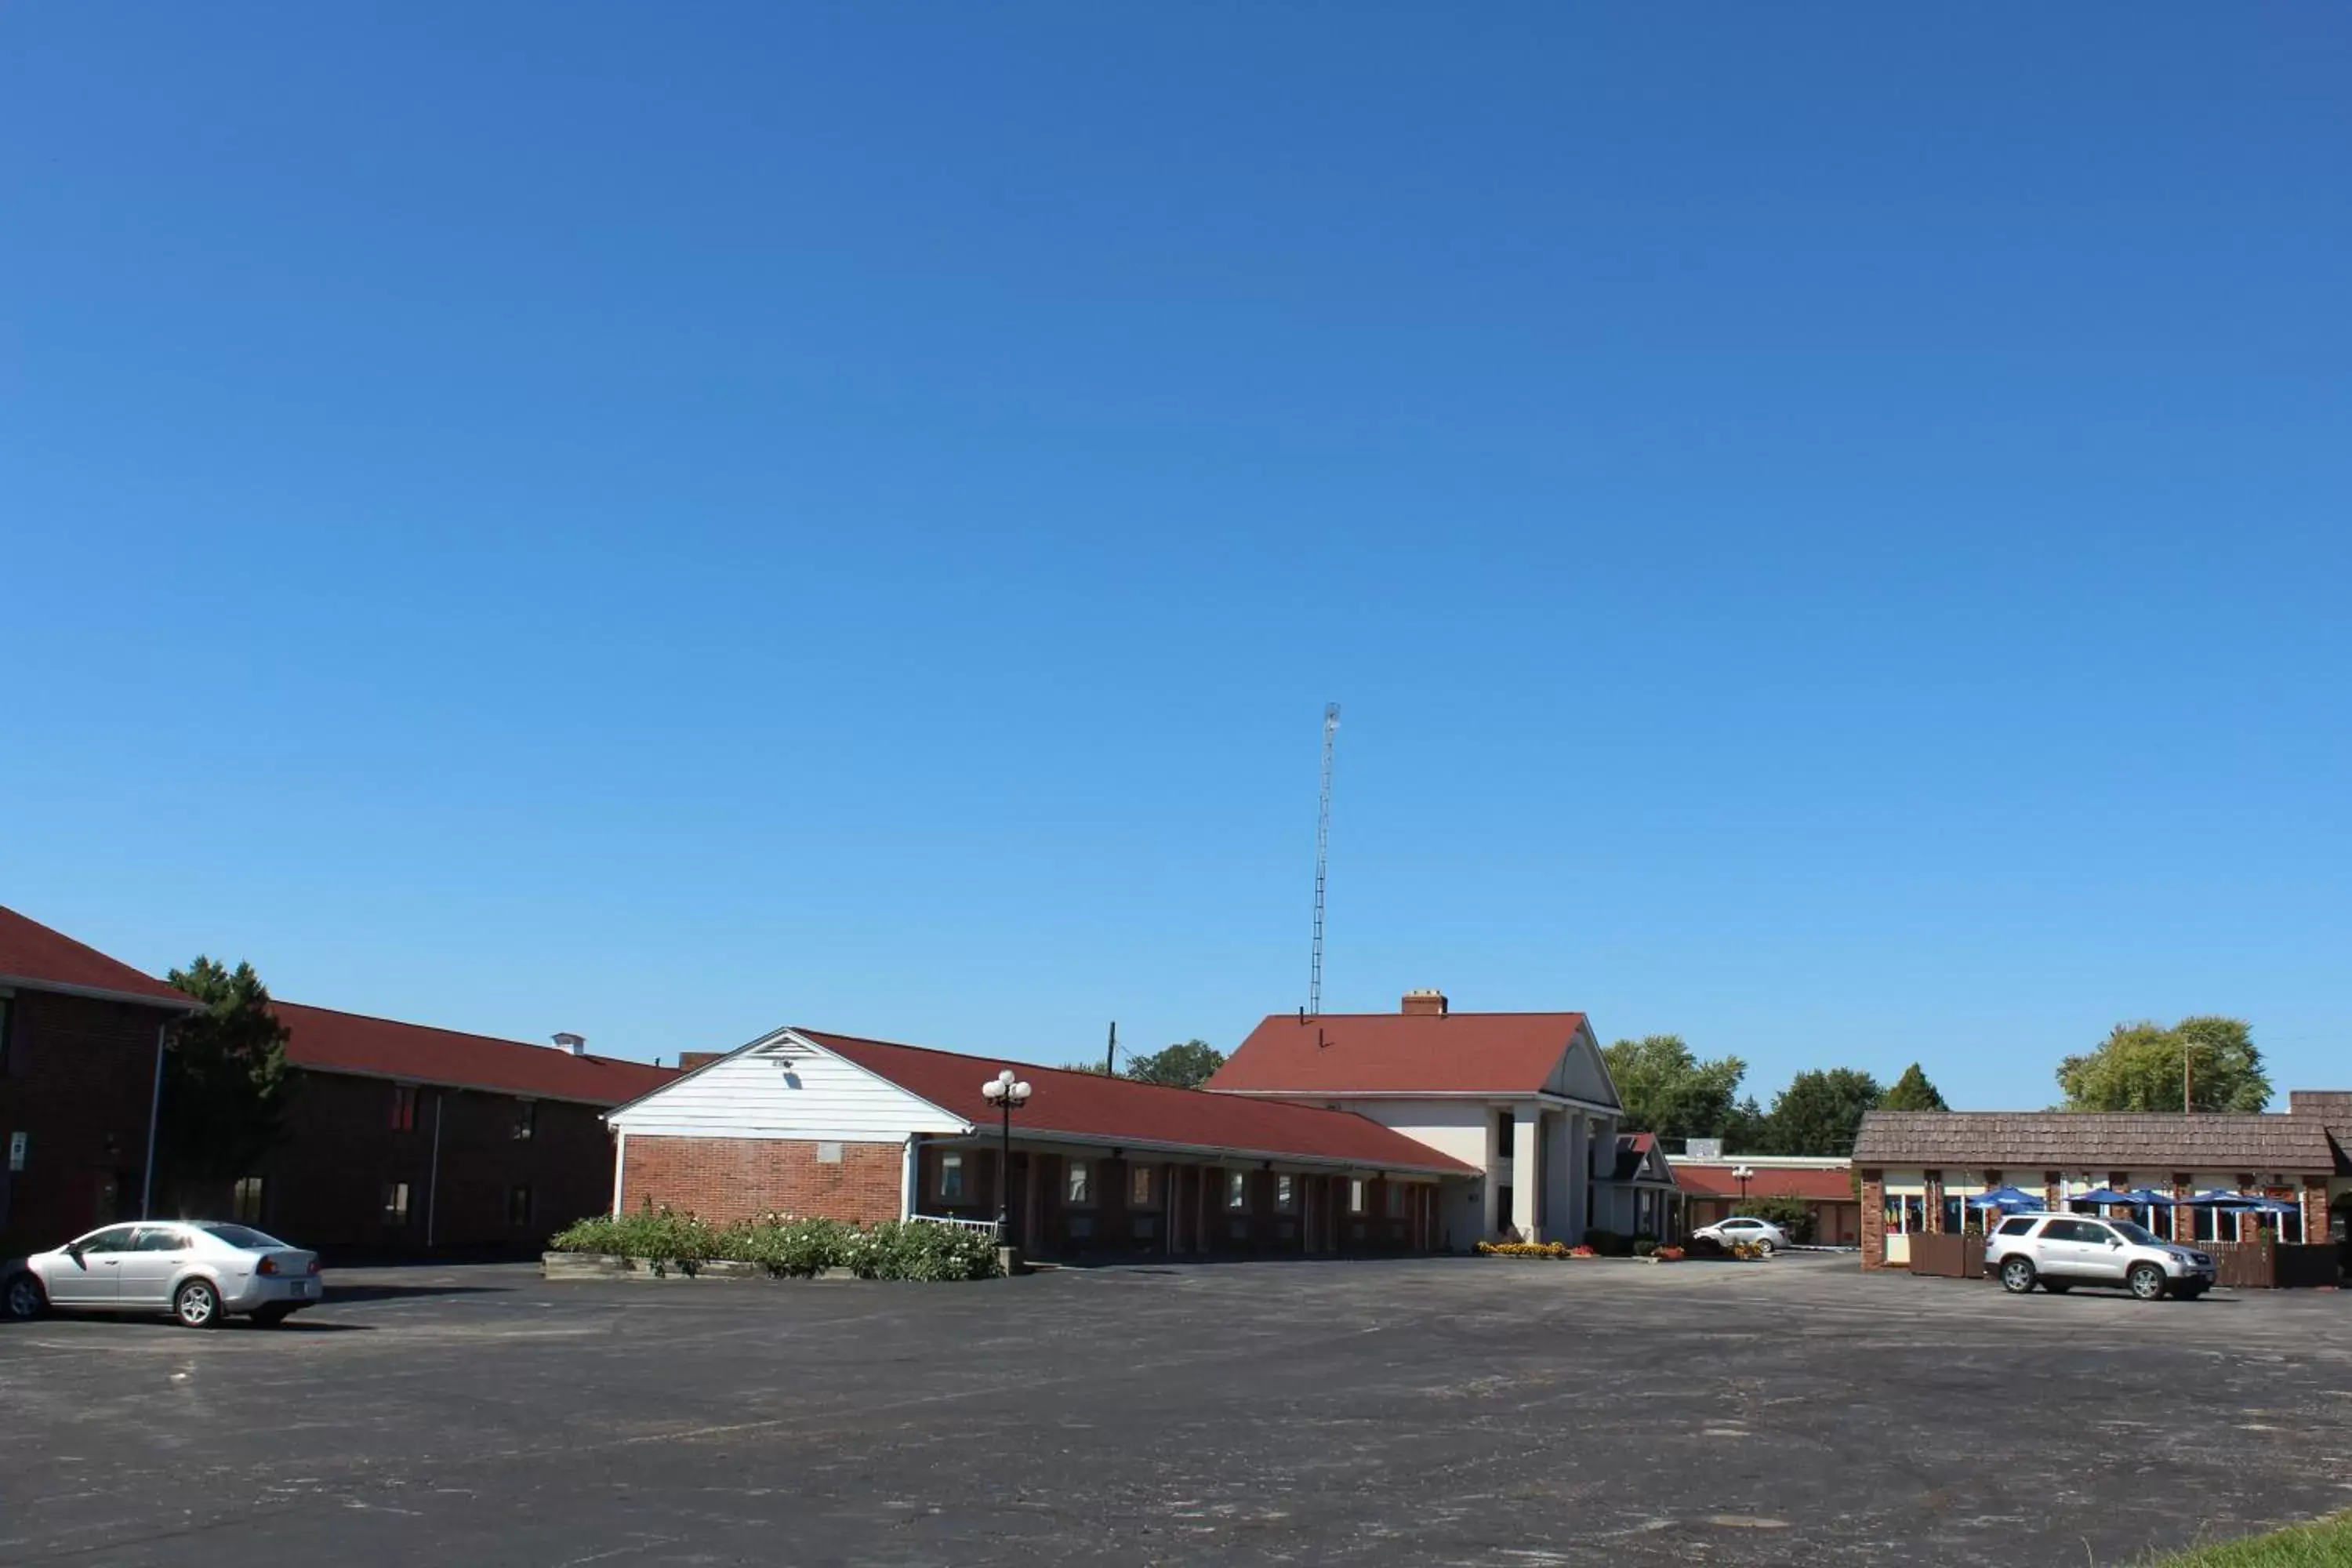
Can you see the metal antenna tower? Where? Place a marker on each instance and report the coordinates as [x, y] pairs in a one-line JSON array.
[[1322, 860]]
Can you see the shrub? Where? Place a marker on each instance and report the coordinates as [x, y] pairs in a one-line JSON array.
[[1645, 1247], [1609, 1243], [1523, 1249], [784, 1246]]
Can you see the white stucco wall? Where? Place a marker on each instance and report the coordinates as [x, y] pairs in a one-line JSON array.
[[1462, 1127]]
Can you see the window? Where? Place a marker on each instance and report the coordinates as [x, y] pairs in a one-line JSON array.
[[2018, 1225], [526, 1118], [1078, 1187], [1502, 1134], [396, 1203], [1955, 1217], [951, 1177], [2080, 1230], [12, 1064], [1906, 1215], [828, 1154], [245, 1206], [1237, 1190], [1395, 1199], [2206, 1226], [160, 1238], [403, 1108], [1285, 1195], [113, 1238], [1139, 1187], [1356, 1194], [517, 1207]]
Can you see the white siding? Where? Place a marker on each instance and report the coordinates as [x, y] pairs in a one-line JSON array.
[[1581, 1074], [756, 1094]]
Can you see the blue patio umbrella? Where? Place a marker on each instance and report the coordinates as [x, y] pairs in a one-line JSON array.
[[2008, 1200], [2103, 1197], [2153, 1198], [2214, 1198]]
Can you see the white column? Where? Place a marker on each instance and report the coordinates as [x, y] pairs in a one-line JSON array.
[[1527, 1170], [1578, 1219]]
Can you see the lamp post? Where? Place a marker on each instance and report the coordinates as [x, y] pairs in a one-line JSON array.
[[1742, 1175], [1008, 1094]]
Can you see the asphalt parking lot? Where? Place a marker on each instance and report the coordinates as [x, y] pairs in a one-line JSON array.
[[1422, 1412]]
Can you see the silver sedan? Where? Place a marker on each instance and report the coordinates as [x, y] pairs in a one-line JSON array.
[[200, 1271]]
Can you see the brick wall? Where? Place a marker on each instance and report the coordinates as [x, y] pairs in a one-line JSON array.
[[1873, 1219], [75, 1078], [323, 1183], [725, 1179]]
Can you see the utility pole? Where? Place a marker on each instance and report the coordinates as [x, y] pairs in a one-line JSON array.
[[2188, 1100], [1322, 861], [1110, 1052]]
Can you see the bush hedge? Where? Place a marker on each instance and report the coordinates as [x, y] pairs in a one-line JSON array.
[[786, 1247]]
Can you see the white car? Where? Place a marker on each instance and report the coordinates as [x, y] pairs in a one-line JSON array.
[[200, 1271], [1756, 1233], [2060, 1251]]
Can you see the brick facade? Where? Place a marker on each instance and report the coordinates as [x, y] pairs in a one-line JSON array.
[[727, 1179], [77, 1077], [491, 1190], [1873, 1219]]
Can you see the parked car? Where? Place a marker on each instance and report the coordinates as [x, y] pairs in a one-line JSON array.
[[2060, 1251], [200, 1271], [1758, 1233]]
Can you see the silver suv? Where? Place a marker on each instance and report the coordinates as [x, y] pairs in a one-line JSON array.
[[2060, 1251]]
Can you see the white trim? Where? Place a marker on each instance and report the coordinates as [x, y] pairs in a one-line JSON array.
[[1209, 1154], [620, 1165], [601, 1106], [769, 1134], [907, 1177], [174, 1003], [774, 1037], [1497, 1097]]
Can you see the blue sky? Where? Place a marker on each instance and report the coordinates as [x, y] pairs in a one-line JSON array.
[[1828, 523]]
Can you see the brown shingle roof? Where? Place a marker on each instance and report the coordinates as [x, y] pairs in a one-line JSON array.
[[2334, 1108], [2059, 1140]]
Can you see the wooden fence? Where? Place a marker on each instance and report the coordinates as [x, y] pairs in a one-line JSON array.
[[2265, 1264], [1948, 1257]]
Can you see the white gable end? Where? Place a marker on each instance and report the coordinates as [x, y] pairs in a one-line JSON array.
[[1582, 1073], [784, 1086]]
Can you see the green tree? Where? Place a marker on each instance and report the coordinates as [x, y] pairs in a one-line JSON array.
[[1820, 1112], [225, 1081], [1911, 1091], [1792, 1214], [1668, 1090], [1184, 1066], [2139, 1067]]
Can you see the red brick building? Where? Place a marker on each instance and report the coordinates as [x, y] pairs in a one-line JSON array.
[[403, 1138], [809, 1122], [1713, 1191], [79, 1038]]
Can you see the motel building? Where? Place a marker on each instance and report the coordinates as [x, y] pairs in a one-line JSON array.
[[2177, 1174], [1416, 1131]]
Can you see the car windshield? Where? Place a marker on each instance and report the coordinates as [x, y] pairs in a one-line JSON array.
[[2132, 1231], [241, 1235]]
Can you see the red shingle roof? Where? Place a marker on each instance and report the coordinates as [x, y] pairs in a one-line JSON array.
[[1399, 1053], [1093, 1106], [326, 1041], [1816, 1185], [39, 959]]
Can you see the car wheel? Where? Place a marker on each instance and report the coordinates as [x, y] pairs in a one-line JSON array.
[[270, 1317], [2146, 1281], [24, 1299], [2057, 1287], [197, 1305], [2017, 1275], [1766, 1244]]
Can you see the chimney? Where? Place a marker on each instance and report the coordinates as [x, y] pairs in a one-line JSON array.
[[571, 1045], [689, 1060], [1425, 1004]]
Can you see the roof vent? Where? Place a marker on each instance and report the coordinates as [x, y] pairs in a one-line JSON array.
[[571, 1045], [1425, 1004]]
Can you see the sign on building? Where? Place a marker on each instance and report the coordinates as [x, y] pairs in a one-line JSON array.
[[1702, 1147]]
